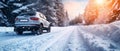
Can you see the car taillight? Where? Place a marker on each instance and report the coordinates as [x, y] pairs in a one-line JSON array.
[[34, 18]]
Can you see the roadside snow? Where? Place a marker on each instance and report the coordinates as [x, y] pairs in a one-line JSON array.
[[6, 29]]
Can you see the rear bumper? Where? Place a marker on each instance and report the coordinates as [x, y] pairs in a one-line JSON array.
[[26, 28], [20, 25]]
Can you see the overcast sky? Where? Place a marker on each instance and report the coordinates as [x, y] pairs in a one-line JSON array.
[[75, 7]]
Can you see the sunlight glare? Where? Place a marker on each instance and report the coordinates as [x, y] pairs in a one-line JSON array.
[[100, 1]]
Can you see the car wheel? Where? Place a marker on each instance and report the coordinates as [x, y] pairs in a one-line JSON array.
[[40, 30], [19, 32], [49, 29]]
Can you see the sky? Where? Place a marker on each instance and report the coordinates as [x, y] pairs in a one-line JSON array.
[[75, 7]]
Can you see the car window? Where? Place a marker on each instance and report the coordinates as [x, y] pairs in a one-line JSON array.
[[30, 14], [42, 16]]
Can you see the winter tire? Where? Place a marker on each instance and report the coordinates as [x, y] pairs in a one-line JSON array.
[[40, 30], [19, 32]]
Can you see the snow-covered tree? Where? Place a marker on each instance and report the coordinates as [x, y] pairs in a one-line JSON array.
[[107, 12], [52, 9], [77, 20], [91, 12], [3, 18], [9, 7]]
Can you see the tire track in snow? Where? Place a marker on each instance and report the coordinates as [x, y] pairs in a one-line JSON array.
[[62, 39], [76, 43], [25, 44], [57, 43]]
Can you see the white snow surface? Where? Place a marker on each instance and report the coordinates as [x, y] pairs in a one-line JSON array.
[[105, 37]]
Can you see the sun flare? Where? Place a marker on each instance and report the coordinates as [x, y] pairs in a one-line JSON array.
[[100, 1]]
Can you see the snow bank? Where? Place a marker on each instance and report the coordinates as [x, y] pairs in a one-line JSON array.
[[109, 31], [6, 29]]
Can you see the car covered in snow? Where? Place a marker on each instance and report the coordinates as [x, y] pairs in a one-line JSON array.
[[35, 22]]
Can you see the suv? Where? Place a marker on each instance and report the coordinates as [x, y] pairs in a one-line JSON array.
[[35, 22]]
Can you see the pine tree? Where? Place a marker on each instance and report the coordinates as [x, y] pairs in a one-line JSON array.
[[52, 9]]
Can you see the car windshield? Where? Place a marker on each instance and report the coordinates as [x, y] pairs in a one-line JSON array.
[[27, 14]]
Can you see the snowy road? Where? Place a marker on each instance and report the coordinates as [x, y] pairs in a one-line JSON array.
[[72, 38]]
